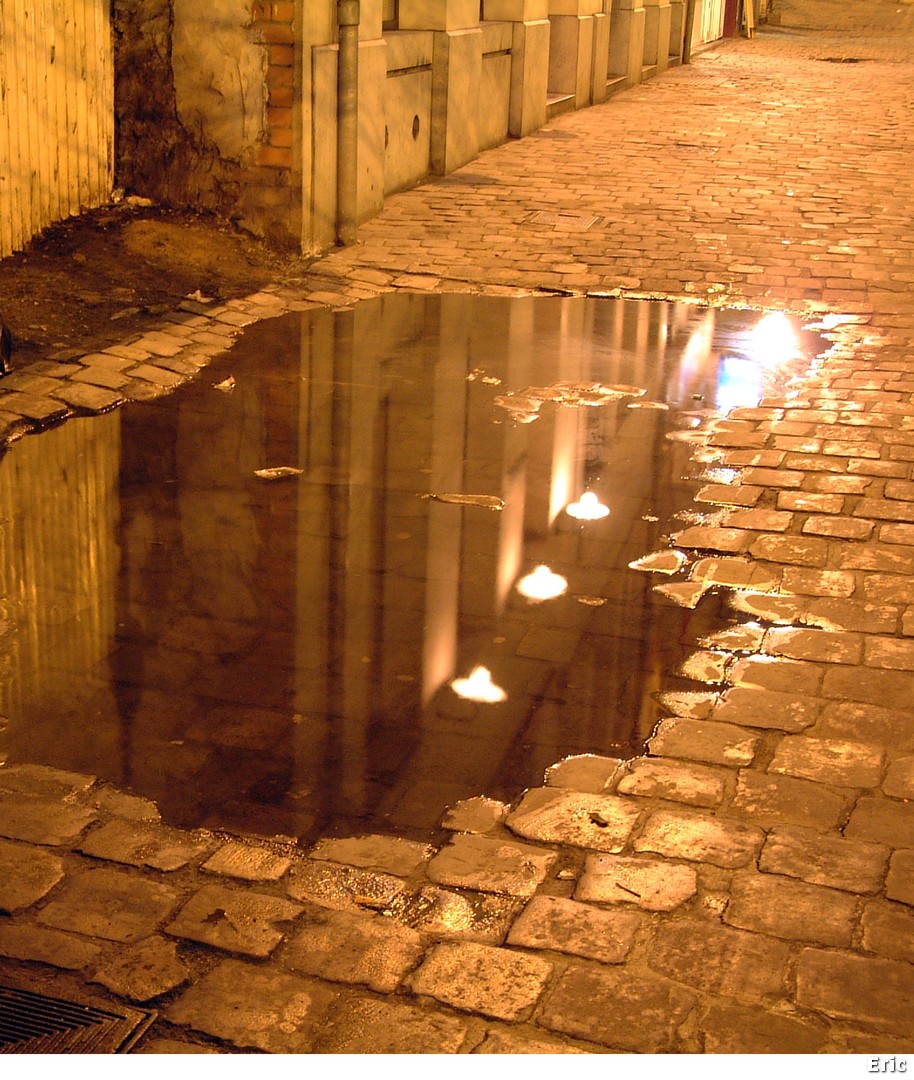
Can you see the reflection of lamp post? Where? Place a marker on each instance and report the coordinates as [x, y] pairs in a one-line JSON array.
[[478, 686], [587, 508], [542, 584]]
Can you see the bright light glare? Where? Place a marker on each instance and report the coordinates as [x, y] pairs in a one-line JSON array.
[[542, 584], [588, 508], [773, 340], [478, 686]]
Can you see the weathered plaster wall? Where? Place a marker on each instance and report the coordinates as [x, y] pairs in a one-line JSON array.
[[203, 103]]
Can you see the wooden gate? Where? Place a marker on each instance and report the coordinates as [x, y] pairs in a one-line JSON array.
[[56, 113]]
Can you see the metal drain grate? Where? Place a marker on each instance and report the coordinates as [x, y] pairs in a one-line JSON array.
[[560, 220], [32, 1023]]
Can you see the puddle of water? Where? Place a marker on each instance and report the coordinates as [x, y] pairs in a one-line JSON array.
[[249, 600]]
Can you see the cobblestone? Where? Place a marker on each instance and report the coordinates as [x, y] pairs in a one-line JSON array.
[[745, 885]]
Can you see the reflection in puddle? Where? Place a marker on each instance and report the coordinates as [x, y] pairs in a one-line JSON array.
[[284, 657]]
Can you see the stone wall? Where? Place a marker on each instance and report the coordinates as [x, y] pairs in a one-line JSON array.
[[204, 109]]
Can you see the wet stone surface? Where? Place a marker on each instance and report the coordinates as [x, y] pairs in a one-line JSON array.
[[223, 680]]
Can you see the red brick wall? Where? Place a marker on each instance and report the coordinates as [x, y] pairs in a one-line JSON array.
[[273, 24]]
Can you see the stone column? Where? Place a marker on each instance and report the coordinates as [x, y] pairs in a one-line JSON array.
[[677, 30], [626, 40], [658, 16], [571, 49], [529, 59], [456, 76]]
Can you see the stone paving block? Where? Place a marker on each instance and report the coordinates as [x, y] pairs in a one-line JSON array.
[[27, 875], [899, 884], [476, 815], [721, 960], [690, 704], [889, 653], [780, 675], [871, 991], [370, 1026], [139, 843], [868, 723], [883, 821], [158, 376], [677, 781], [85, 398], [851, 615], [736, 574], [842, 528], [775, 710], [510, 1041], [385, 854], [802, 582], [560, 925], [824, 859], [745, 637], [491, 865], [700, 838], [122, 805], [706, 666], [354, 947], [758, 520], [480, 978], [811, 502], [774, 800], [705, 741], [884, 509], [888, 589], [884, 559], [38, 821], [609, 1007], [583, 772], [236, 920], [41, 410], [651, 884], [888, 929], [99, 376], [829, 761], [897, 534], [144, 971], [161, 343], [581, 819], [773, 609], [250, 862], [738, 1029], [20, 941], [710, 538], [255, 1008], [792, 550], [468, 916], [890, 689], [835, 646], [110, 904], [899, 779], [342, 887], [786, 908], [172, 1046]]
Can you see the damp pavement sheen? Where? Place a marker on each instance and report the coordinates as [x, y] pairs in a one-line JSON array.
[[276, 655]]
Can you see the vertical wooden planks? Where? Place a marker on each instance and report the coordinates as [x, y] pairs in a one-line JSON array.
[[56, 113]]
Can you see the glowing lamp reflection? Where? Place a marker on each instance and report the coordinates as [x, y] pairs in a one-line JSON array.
[[542, 584], [587, 508], [773, 339], [478, 686]]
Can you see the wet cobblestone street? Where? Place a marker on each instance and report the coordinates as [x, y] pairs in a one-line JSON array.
[[746, 883]]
